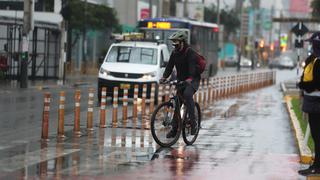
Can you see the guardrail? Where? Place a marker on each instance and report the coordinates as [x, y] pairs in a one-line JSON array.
[[210, 90]]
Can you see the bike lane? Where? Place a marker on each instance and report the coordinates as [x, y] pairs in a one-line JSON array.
[[252, 139]]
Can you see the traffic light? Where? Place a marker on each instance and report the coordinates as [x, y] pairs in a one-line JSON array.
[[261, 44], [298, 44], [283, 42], [272, 47]]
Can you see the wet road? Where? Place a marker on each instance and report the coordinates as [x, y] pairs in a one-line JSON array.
[[249, 137]]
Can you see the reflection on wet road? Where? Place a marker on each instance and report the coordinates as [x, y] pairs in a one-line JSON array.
[[249, 137]]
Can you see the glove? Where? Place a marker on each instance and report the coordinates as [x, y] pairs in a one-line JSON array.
[[162, 80]]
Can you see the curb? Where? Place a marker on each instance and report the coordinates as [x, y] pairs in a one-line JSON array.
[[305, 152]]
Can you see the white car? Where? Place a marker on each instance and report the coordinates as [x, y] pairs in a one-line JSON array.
[[245, 62], [132, 62]]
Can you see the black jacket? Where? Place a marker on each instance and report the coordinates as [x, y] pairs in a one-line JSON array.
[[185, 62], [315, 84]]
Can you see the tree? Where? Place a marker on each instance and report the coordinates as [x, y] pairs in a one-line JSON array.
[[315, 5], [82, 16], [228, 18]]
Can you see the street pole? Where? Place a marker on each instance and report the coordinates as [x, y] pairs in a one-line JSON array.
[[185, 8], [27, 27], [84, 40], [150, 8], [279, 47], [240, 38]]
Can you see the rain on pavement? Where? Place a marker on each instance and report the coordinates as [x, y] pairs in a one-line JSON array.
[[248, 137]]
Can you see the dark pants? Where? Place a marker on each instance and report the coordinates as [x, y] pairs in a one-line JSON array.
[[188, 97], [187, 94], [314, 122]]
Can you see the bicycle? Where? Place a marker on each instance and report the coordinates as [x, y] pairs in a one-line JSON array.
[[162, 117]]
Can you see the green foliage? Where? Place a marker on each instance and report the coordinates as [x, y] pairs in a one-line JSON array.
[[315, 5], [85, 15], [228, 18], [303, 122]]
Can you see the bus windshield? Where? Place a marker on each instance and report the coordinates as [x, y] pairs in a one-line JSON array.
[[135, 55]]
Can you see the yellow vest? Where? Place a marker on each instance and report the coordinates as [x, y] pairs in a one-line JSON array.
[[308, 71]]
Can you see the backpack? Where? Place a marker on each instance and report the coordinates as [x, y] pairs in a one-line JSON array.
[[201, 62], [308, 71]]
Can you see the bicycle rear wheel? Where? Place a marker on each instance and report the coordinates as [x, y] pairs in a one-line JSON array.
[[161, 124], [186, 126]]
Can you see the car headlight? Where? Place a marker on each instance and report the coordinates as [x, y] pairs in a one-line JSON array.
[[104, 72], [148, 76]]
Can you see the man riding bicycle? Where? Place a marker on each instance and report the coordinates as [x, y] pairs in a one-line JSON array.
[[184, 59]]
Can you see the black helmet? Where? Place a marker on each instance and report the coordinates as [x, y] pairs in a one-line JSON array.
[[315, 41], [179, 35], [315, 37]]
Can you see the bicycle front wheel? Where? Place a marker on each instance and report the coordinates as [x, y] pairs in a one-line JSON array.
[[188, 138], [162, 122]]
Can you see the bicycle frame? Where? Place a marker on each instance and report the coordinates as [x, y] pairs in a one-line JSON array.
[[178, 102]]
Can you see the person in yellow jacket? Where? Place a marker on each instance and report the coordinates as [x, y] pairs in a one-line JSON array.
[[310, 84]]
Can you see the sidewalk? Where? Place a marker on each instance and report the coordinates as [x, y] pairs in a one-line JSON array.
[[71, 81]]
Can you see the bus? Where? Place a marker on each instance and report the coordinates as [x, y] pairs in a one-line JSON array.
[[202, 36]]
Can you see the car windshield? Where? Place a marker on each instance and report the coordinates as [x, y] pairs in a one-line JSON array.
[[135, 55]]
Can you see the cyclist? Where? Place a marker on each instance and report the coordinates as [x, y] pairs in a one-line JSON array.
[[184, 59]]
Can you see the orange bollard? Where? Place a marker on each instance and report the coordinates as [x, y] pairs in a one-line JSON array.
[[216, 89], [166, 93], [209, 91], [61, 115], [143, 103], [221, 86], [242, 83], [153, 89], [76, 128], [205, 88], [135, 102], [200, 93], [45, 117], [160, 93], [125, 106], [227, 84], [234, 90], [90, 110], [103, 108], [115, 107], [213, 90]]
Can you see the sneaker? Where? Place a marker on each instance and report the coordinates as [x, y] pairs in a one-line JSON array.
[[310, 171], [171, 134]]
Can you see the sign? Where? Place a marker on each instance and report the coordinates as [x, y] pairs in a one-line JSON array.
[[144, 13], [159, 25], [299, 29], [298, 43]]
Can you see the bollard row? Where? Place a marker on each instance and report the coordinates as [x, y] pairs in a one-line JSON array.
[[210, 90]]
